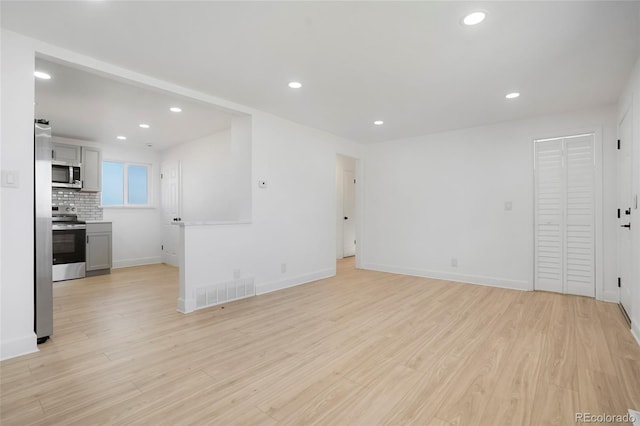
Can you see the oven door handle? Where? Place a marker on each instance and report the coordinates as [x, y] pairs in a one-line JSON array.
[[65, 227]]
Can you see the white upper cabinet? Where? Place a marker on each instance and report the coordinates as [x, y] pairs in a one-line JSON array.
[[65, 153], [91, 171]]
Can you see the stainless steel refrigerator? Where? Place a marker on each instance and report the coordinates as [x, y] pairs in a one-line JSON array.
[[43, 291]]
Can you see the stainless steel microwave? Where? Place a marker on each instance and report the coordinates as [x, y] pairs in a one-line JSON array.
[[65, 176]]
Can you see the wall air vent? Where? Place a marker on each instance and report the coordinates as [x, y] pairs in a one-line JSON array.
[[224, 292]]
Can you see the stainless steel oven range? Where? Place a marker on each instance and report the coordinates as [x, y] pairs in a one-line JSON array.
[[69, 246]]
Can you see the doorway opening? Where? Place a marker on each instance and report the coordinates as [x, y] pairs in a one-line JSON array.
[[127, 134], [346, 215]]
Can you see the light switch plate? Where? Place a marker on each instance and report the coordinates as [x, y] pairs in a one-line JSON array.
[[10, 179], [508, 206]]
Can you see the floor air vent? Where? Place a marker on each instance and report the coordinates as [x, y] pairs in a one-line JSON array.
[[225, 292]]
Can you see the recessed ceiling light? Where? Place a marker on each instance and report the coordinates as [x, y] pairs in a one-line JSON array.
[[474, 18], [122, 138], [512, 95], [42, 75], [378, 122], [295, 85], [144, 126], [175, 109]]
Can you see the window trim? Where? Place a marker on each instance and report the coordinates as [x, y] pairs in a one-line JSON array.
[[125, 183]]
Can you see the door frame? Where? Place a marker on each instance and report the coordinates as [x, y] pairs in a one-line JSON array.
[[627, 113], [163, 235], [348, 182], [359, 205], [598, 219]]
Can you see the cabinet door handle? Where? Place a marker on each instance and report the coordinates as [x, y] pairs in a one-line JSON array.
[[87, 239]]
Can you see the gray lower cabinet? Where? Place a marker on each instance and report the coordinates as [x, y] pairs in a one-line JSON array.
[[98, 248]]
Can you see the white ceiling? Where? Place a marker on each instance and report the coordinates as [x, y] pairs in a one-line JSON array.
[[411, 64], [84, 105]]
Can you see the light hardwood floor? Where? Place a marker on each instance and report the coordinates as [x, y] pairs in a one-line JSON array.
[[361, 348]]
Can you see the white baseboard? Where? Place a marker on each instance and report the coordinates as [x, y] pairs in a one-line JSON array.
[[185, 306], [635, 332], [461, 278], [610, 296], [17, 347], [125, 263], [294, 281]]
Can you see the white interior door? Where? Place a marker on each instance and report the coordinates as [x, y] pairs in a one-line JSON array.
[[565, 215], [580, 216], [348, 209], [171, 211], [624, 215], [549, 215]]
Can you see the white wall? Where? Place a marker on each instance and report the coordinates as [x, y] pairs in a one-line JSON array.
[[16, 226], [207, 177], [241, 147], [343, 164], [631, 98], [433, 198], [294, 219], [216, 174]]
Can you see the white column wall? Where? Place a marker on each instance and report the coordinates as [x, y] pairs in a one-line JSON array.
[[16, 226]]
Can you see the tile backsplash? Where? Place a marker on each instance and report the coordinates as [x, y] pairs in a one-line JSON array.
[[87, 204]]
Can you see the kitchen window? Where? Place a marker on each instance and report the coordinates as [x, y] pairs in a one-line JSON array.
[[125, 184]]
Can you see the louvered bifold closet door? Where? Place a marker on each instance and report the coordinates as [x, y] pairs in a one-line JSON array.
[[549, 213], [580, 209], [565, 215]]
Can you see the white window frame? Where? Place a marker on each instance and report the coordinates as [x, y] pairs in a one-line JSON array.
[[125, 190]]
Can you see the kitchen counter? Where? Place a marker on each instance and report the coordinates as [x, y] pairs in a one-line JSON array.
[[97, 221]]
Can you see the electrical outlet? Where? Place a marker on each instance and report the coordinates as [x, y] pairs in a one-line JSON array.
[[508, 206], [10, 178], [283, 268], [454, 262]]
